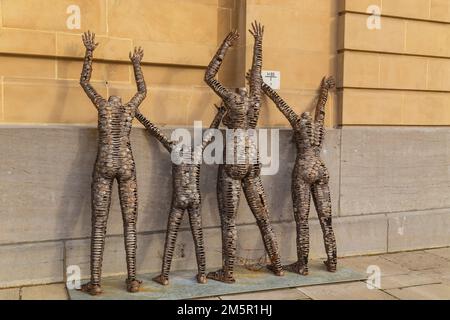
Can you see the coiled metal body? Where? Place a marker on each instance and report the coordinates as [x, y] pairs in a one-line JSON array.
[[186, 196], [309, 177], [243, 170]]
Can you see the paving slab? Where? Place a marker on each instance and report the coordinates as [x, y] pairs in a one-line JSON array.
[[346, 291], [284, 294], [10, 294], [442, 252], [443, 274], [360, 264], [47, 292], [426, 292], [408, 280], [440, 274], [418, 260], [183, 284]]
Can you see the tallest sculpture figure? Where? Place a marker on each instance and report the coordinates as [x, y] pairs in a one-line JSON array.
[[242, 113]]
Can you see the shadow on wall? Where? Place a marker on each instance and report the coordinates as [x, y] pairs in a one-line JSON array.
[[75, 204]]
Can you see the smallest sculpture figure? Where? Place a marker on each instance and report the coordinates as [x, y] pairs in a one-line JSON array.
[[185, 195], [310, 176]]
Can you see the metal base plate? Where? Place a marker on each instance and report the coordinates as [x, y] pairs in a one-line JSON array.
[[183, 284]]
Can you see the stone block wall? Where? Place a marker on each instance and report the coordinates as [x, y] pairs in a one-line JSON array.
[[386, 198]]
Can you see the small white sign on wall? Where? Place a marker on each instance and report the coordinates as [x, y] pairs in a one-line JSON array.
[[272, 79]]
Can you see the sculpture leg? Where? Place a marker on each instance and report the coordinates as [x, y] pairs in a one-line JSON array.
[[195, 220], [228, 194], [129, 205], [101, 200], [322, 202], [301, 197], [256, 198], [173, 224]]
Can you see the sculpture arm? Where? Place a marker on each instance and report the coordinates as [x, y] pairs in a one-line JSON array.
[[154, 131], [89, 43], [281, 104], [215, 64], [255, 79], [136, 59], [326, 85], [214, 124]]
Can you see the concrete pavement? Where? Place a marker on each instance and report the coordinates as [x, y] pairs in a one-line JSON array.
[[423, 274]]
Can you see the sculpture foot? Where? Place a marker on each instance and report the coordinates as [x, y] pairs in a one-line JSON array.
[[222, 276], [278, 271], [297, 267], [162, 280], [133, 285], [331, 265], [201, 278], [92, 289]]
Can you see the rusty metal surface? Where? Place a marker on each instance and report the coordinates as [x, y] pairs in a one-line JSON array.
[[242, 113], [310, 176], [114, 162]]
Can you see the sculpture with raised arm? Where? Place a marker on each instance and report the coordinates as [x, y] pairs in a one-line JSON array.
[[243, 171], [310, 177], [114, 162], [185, 195]]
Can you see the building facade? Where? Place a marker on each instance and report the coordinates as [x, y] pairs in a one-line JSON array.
[[387, 145]]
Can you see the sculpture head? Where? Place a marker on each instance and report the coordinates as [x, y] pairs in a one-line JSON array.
[[115, 100]]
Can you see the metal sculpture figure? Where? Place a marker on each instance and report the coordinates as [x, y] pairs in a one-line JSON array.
[[114, 162], [242, 113], [310, 176], [185, 196]]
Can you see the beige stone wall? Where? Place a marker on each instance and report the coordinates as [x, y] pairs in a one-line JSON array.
[[41, 59], [399, 74], [300, 41]]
